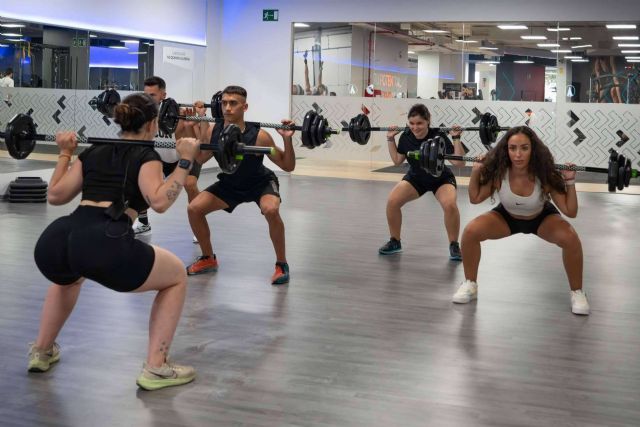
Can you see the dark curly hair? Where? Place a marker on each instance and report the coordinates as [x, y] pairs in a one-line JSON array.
[[541, 163]]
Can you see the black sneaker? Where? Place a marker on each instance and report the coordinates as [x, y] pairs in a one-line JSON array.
[[454, 251], [393, 246]]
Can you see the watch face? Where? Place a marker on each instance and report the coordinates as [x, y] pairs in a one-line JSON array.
[[184, 163]]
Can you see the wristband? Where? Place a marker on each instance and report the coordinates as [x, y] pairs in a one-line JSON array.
[[65, 155], [568, 182]]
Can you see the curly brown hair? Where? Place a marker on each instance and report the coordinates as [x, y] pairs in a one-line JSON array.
[[541, 163]]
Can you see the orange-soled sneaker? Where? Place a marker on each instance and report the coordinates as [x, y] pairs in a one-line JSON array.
[[281, 275], [203, 264]]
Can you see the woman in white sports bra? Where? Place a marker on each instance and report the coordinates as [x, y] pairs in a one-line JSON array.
[[521, 169]]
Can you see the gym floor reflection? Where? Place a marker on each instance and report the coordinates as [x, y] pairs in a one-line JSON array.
[[355, 339]]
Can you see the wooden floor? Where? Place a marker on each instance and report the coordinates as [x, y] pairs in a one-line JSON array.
[[355, 339]]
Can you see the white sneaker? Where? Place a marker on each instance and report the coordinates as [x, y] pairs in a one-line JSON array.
[[579, 303], [467, 291], [195, 239], [142, 229]]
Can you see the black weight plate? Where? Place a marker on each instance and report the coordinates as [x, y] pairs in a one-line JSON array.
[[216, 105], [314, 129], [424, 155], [494, 128], [352, 130], [227, 157], [612, 175], [627, 173], [305, 133], [363, 129], [168, 116], [19, 136]]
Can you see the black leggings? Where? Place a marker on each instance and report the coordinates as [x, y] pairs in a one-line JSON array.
[[526, 226], [89, 244]]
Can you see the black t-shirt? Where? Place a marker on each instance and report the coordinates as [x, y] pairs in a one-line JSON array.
[[104, 168], [408, 142], [251, 171]]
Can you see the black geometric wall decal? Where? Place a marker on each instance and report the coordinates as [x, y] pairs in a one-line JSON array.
[[106, 120], [9, 104], [574, 118], [55, 116], [580, 135], [623, 137], [30, 112], [478, 116], [81, 131], [61, 102]]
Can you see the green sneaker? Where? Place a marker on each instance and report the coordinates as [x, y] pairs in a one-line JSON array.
[[40, 360], [168, 375]]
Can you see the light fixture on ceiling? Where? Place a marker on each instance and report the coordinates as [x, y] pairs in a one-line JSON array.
[[548, 45], [580, 60], [130, 41], [436, 31], [411, 52], [630, 51], [11, 34], [575, 38], [625, 38], [4, 45], [572, 57], [561, 51], [300, 25], [93, 36], [632, 57], [582, 46], [118, 47], [621, 26], [633, 60], [9, 25], [465, 41], [487, 48], [16, 40], [559, 29], [137, 53], [533, 37], [628, 44], [523, 61], [489, 62], [513, 27]]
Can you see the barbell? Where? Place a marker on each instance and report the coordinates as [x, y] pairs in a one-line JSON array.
[[20, 138], [431, 156], [359, 128]]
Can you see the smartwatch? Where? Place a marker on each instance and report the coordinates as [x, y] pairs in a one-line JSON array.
[[184, 164]]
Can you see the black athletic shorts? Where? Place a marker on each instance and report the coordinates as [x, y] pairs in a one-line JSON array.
[[432, 184], [233, 197], [89, 244], [526, 226]]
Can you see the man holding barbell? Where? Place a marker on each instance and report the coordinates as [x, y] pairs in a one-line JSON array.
[[417, 182], [156, 88], [252, 182], [521, 169]]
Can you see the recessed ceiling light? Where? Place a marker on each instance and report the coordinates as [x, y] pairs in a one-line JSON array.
[[579, 60], [582, 46], [575, 38], [561, 51], [4, 45], [12, 25], [411, 52], [559, 29], [137, 53], [16, 40], [625, 38], [632, 57], [300, 25], [11, 34], [487, 48], [129, 41], [513, 27], [628, 44], [436, 31], [630, 51], [118, 47], [93, 36], [633, 60], [548, 45], [465, 41], [523, 61], [489, 62], [621, 26], [533, 37], [572, 57]]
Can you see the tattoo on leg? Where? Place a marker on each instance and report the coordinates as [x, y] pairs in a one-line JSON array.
[[172, 193]]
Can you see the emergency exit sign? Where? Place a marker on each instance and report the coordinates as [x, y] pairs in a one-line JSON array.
[[269, 14]]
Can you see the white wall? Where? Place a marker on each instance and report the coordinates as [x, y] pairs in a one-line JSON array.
[[182, 21], [185, 82], [428, 71]]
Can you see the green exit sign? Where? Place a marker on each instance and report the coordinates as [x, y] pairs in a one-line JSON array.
[[269, 14]]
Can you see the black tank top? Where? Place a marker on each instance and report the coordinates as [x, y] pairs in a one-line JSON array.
[[251, 171]]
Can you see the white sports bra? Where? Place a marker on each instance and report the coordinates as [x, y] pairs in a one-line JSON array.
[[521, 205]]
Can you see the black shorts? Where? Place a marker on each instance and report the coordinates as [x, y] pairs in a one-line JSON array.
[[195, 169], [168, 168], [422, 186], [234, 197], [526, 226], [89, 244]]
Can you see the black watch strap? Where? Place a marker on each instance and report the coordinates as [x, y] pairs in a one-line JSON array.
[[184, 164]]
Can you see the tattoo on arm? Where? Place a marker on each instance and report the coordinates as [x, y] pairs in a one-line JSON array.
[[172, 193]]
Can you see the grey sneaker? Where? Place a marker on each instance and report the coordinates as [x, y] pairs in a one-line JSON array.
[[167, 375], [142, 229], [455, 254], [40, 360], [393, 246]]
